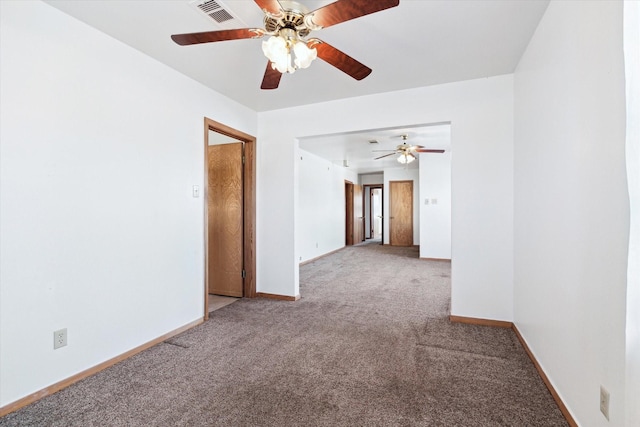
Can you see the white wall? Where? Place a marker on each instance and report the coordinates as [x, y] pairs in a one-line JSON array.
[[632, 149], [370, 178], [401, 174], [100, 146], [321, 205], [435, 219], [571, 204], [481, 114]]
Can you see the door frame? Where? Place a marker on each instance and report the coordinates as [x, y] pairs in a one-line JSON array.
[[249, 208]]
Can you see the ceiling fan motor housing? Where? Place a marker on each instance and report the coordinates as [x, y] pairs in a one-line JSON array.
[[291, 19]]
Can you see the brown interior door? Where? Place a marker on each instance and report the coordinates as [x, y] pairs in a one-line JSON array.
[[348, 200], [225, 209], [358, 214], [401, 213]]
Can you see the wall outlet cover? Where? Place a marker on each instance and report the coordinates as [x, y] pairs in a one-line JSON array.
[[59, 338]]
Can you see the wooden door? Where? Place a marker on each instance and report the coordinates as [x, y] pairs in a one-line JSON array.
[[348, 201], [225, 219], [358, 214], [401, 213]]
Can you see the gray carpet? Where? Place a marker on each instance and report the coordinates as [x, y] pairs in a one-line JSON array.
[[369, 344]]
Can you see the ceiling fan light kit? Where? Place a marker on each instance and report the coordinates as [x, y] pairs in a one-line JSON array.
[[287, 53], [406, 158], [288, 23]]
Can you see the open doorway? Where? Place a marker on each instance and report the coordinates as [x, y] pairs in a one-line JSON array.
[[371, 158], [375, 217], [229, 213], [373, 207]]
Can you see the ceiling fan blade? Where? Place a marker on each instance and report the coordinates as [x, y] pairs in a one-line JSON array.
[[386, 155], [345, 10], [217, 36], [426, 150], [339, 59], [271, 78], [271, 6]]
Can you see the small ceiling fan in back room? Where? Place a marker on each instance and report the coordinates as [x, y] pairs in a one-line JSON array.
[[289, 23], [405, 152]]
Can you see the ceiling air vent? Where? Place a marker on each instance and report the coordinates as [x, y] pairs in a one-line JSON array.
[[219, 13]]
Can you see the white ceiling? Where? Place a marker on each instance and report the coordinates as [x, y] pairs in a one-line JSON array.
[[360, 153], [418, 43]]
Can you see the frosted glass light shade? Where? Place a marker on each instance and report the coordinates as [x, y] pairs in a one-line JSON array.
[[405, 159], [287, 55], [276, 49], [303, 55]]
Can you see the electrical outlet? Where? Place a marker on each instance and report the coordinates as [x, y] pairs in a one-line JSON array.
[[59, 338], [604, 402]]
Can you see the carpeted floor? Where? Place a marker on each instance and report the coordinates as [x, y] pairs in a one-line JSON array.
[[369, 344]]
